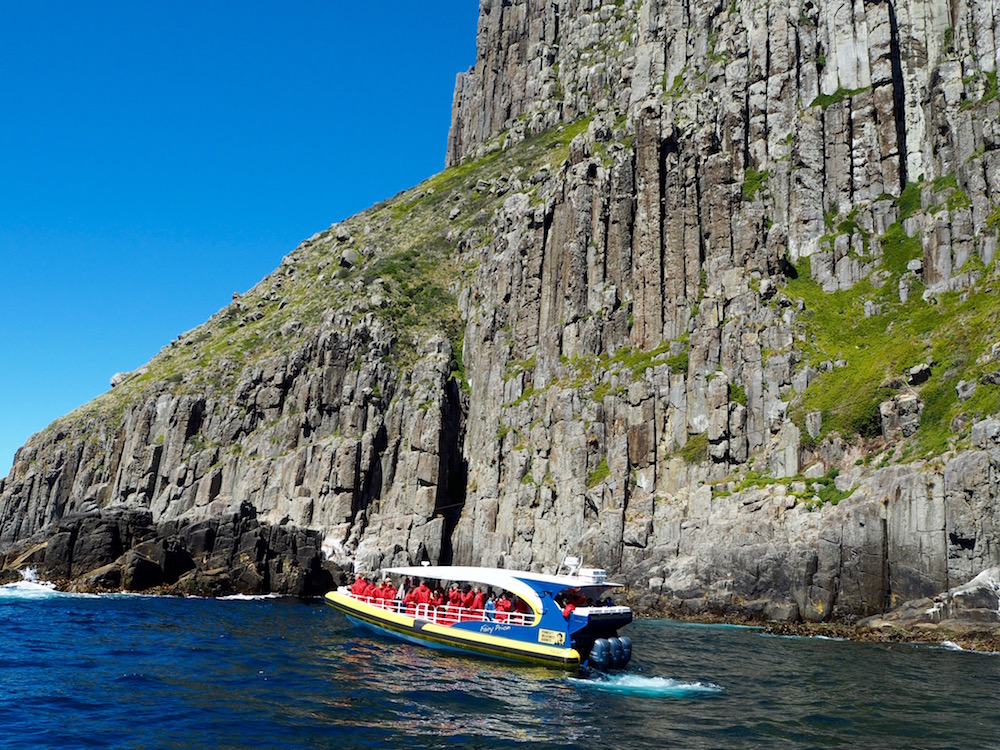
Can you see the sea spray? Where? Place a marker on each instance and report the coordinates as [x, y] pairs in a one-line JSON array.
[[647, 687], [31, 588]]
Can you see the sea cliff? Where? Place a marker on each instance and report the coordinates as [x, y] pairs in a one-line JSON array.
[[705, 295]]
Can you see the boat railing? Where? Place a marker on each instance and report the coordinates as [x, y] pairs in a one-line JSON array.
[[605, 610], [446, 614]]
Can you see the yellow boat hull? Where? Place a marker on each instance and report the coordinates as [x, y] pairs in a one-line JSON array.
[[425, 632]]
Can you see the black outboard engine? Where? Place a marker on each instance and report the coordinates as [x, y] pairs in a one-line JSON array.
[[610, 653]]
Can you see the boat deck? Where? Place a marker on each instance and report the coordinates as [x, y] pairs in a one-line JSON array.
[[445, 614]]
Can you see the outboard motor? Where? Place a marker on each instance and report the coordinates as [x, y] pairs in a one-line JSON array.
[[626, 649], [600, 654], [615, 646]]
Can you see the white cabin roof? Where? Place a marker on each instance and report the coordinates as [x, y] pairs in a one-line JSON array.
[[510, 580]]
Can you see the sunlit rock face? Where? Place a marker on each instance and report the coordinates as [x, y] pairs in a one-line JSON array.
[[670, 308]]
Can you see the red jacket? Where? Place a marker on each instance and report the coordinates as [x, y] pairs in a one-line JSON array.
[[503, 607], [422, 594]]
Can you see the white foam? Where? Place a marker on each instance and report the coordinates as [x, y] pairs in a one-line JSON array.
[[952, 646], [30, 575], [29, 590], [649, 687], [248, 597]]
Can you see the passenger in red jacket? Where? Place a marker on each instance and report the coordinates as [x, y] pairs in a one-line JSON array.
[[504, 606], [422, 594], [522, 608], [454, 601], [465, 602], [478, 603], [571, 600], [359, 585], [387, 592], [467, 596]]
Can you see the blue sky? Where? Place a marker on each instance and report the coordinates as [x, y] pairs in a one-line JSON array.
[[157, 157]]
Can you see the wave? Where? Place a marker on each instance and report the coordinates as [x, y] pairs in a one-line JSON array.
[[248, 597], [952, 646], [29, 590], [33, 590], [648, 687]]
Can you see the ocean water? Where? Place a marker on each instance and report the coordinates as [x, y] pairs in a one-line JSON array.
[[143, 672]]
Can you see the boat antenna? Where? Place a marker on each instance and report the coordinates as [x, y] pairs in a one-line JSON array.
[[572, 565]]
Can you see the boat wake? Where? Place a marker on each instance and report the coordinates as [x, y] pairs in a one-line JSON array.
[[647, 687]]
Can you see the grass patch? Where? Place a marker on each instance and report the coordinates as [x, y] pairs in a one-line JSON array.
[[753, 182], [991, 87], [827, 100], [517, 366], [818, 492], [599, 474], [909, 200], [737, 394], [952, 334], [993, 220], [898, 249], [695, 450]]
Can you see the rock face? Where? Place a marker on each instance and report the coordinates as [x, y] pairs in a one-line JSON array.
[[972, 606], [584, 337], [122, 548]]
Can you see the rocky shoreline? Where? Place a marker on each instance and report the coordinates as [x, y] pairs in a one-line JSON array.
[[123, 549], [966, 616], [968, 638], [965, 636]]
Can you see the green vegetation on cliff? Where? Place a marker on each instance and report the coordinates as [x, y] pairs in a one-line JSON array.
[[402, 261], [865, 358]]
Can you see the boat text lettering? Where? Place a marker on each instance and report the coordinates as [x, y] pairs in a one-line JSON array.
[[493, 627]]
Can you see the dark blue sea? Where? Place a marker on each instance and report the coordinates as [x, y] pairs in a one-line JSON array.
[[142, 672]]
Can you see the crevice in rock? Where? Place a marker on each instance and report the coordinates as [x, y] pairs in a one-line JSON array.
[[454, 466], [195, 420], [962, 542], [661, 280], [701, 233], [885, 604], [371, 488], [898, 96]]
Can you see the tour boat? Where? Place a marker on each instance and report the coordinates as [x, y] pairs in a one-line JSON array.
[[568, 620]]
